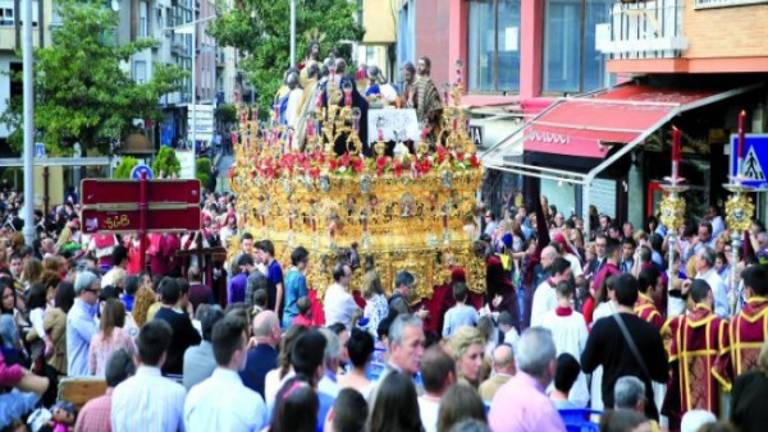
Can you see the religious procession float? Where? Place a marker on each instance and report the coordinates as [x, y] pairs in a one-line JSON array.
[[346, 175]]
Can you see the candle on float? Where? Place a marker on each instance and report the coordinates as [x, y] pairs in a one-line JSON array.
[[676, 151], [742, 123], [310, 128]]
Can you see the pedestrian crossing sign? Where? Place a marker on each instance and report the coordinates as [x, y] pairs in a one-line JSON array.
[[755, 162]]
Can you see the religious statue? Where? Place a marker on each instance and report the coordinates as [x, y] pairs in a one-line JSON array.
[[379, 91], [429, 106], [312, 57], [308, 107], [409, 86], [289, 98]]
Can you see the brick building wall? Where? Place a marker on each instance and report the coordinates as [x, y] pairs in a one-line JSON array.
[[726, 32]]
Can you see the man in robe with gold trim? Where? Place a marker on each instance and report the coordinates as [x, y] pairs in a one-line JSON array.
[[699, 344], [749, 328], [645, 308]]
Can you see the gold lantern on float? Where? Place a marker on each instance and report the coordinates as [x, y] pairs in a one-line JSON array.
[[407, 211]]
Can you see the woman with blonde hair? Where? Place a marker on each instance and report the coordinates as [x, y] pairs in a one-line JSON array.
[[467, 346], [376, 306], [31, 272]]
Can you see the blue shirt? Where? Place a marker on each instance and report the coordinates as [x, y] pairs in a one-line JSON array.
[[81, 326], [128, 302], [295, 288], [261, 359], [274, 277], [236, 288], [458, 316]]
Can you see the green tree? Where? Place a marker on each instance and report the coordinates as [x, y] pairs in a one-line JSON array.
[[203, 170], [81, 92], [259, 29], [123, 170], [166, 163]]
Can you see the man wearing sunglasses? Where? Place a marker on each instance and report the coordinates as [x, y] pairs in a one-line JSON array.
[[81, 322]]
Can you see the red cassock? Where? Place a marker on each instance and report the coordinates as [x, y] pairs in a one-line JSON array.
[[645, 308], [748, 331], [698, 349]]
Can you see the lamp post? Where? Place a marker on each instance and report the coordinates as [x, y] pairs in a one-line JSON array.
[[293, 33], [190, 28], [29, 126]]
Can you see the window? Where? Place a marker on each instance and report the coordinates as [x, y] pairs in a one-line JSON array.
[[571, 62], [406, 33], [493, 47], [140, 71], [6, 16], [143, 31]]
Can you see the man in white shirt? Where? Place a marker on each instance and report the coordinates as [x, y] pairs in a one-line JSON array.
[[569, 331], [338, 305], [148, 401], [437, 373], [545, 298], [705, 269], [222, 402]]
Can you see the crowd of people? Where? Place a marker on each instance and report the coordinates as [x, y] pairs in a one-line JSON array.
[[570, 321]]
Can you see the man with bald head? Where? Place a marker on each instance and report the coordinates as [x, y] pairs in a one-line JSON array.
[[263, 357], [503, 370]]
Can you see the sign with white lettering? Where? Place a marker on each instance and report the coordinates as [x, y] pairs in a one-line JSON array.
[[394, 124]]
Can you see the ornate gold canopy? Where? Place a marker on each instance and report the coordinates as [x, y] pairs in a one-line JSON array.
[[409, 211]]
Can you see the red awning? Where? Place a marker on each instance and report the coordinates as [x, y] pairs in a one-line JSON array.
[[588, 126]]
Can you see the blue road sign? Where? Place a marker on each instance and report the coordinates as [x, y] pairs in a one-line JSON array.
[[755, 164], [141, 168]]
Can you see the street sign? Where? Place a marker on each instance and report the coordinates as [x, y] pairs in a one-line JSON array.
[[755, 164], [40, 150], [139, 169], [476, 133], [106, 192], [158, 219]]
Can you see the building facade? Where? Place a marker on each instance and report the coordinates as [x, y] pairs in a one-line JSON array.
[[524, 60]]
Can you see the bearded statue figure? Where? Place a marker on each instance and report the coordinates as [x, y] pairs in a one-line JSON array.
[[429, 106]]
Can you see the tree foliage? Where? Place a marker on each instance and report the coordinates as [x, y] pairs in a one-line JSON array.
[[203, 170], [260, 30], [123, 170], [226, 114], [81, 92], [166, 163]]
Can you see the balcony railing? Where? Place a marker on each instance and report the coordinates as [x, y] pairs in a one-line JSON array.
[[710, 4], [644, 30]]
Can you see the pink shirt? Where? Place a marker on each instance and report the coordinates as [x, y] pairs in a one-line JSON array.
[[101, 349], [521, 405]]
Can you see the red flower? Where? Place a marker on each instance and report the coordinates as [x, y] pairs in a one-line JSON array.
[[459, 156], [314, 172], [441, 152], [474, 161], [357, 165], [381, 164], [345, 159], [397, 167], [332, 164]]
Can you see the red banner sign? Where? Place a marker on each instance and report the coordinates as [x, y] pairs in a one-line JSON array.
[[166, 219], [97, 191]]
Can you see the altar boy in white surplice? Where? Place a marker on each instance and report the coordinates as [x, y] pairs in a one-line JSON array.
[[569, 330]]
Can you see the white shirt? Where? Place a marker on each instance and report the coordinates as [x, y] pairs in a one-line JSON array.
[[575, 264], [570, 335], [428, 408], [718, 291], [272, 384], [148, 402], [339, 306], [544, 300], [223, 403]]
